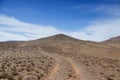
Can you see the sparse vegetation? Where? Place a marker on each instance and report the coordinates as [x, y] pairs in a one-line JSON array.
[[48, 59]]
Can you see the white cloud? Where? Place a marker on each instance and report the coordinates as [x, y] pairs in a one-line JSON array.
[[100, 30], [97, 30], [13, 29]]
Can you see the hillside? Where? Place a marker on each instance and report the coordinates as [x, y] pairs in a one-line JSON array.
[[114, 39], [114, 42], [60, 57]]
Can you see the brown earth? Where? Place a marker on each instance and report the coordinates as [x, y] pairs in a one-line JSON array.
[[60, 57]]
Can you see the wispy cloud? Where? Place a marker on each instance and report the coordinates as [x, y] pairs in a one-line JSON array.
[[102, 28], [13, 29], [7, 10], [106, 9], [110, 10], [97, 30]]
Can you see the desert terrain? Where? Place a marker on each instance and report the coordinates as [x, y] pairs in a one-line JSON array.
[[60, 57]]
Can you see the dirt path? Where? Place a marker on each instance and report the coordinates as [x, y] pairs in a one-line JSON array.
[[74, 66], [64, 69]]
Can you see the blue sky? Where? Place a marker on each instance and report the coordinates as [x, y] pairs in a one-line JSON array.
[[94, 20]]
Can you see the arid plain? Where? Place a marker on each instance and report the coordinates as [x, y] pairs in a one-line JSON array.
[[60, 57]]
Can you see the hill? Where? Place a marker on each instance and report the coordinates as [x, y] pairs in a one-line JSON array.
[[114, 39], [114, 42], [60, 57]]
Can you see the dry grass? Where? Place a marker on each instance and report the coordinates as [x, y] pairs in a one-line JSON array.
[[59, 58]]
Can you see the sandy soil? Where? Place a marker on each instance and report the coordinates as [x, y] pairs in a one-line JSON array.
[[60, 57]]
